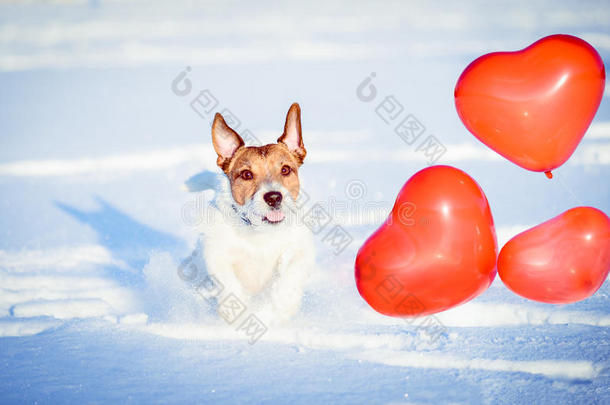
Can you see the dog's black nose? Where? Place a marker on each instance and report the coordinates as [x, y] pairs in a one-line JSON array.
[[273, 198]]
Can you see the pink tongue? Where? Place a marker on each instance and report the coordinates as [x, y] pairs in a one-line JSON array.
[[275, 216]]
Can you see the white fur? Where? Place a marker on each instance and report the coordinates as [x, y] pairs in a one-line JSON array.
[[264, 265]]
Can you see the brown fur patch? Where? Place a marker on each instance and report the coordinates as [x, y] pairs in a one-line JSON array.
[[265, 163]]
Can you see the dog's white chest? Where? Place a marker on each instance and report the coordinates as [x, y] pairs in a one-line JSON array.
[[255, 262], [253, 259]]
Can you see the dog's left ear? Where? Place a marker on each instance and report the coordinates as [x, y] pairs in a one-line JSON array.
[[292, 137]]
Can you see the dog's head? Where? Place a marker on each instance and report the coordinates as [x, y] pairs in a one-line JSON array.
[[264, 180]]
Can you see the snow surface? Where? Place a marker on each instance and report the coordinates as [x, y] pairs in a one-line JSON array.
[[96, 218]]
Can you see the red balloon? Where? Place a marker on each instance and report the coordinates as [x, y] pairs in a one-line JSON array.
[[563, 260], [436, 250], [533, 106]]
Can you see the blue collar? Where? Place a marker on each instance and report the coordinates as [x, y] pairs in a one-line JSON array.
[[242, 216]]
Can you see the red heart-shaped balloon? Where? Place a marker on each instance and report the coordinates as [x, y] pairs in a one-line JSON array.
[[533, 106], [563, 260], [437, 249]]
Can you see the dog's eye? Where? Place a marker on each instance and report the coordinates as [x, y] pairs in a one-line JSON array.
[[247, 175], [286, 170]]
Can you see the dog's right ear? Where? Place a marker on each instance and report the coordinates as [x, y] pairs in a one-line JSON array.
[[292, 137], [225, 141]]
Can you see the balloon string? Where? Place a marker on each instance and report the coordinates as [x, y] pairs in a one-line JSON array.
[[568, 189]]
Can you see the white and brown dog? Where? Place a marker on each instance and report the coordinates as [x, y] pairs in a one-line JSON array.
[[256, 246]]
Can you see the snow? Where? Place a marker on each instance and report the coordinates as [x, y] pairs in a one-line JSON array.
[[98, 154]]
